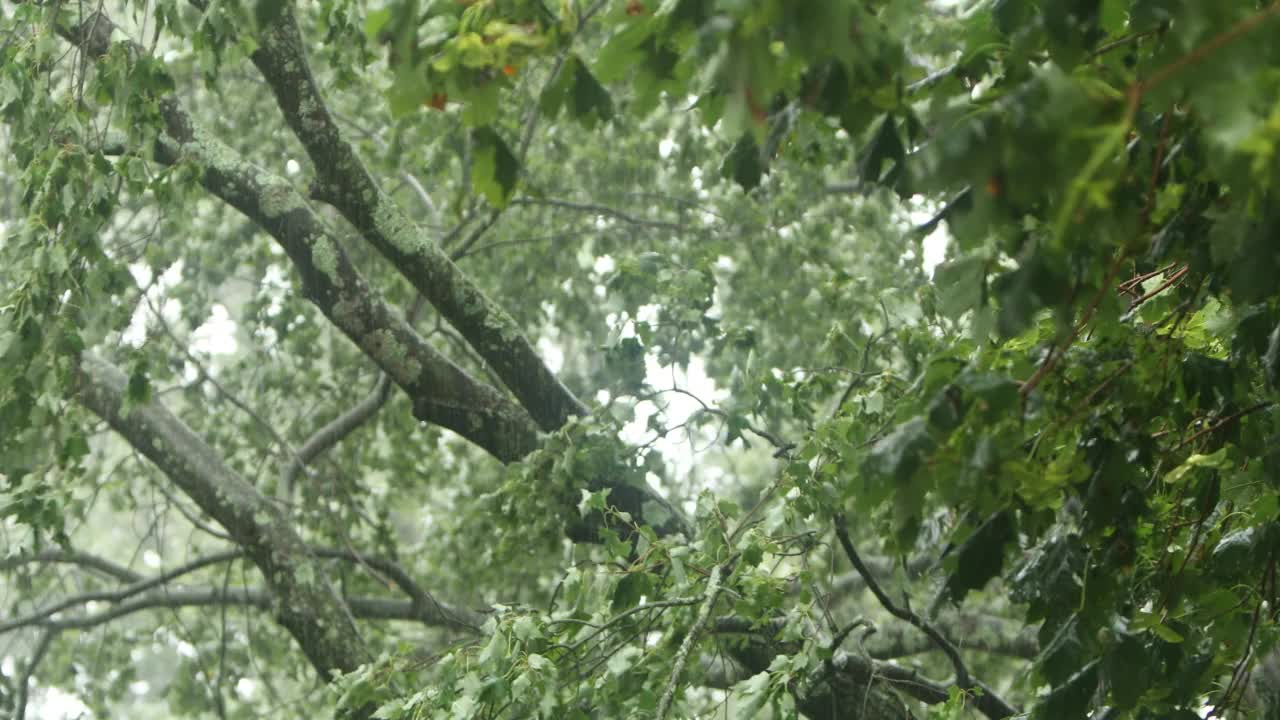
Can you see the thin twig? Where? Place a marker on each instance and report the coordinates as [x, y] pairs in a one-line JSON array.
[[963, 679], [1172, 280], [682, 656], [1203, 51], [1056, 354], [1223, 422], [24, 680], [1128, 287], [599, 210]]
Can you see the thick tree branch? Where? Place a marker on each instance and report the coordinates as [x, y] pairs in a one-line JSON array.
[[442, 393], [302, 601], [345, 182]]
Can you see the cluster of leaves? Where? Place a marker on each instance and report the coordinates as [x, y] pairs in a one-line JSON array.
[[1080, 408], [1122, 440]]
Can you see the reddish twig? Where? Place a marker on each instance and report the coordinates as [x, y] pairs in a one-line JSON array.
[[1173, 279], [1129, 287], [1052, 359], [1214, 44]]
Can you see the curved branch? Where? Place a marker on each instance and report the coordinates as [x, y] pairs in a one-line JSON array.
[[70, 557], [334, 432], [998, 708], [423, 603]]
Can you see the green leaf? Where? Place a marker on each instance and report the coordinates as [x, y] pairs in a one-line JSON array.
[[981, 556], [626, 362], [1239, 553], [900, 453], [1218, 460], [590, 99], [743, 164], [138, 388], [1071, 699], [961, 285], [266, 12], [884, 152], [1130, 670], [494, 169], [375, 21], [630, 588]]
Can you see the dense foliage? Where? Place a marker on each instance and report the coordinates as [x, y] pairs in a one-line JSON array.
[[517, 358]]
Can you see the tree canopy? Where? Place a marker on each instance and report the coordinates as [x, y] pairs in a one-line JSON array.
[[584, 359]]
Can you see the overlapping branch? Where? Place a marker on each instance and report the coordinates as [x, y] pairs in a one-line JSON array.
[[345, 182], [442, 393]]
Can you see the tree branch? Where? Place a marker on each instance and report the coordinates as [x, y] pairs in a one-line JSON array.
[[344, 182], [334, 431], [425, 607], [600, 210], [24, 680], [362, 607], [992, 705], [303, 602], [968, 630], [70, 557], [442, 393], [136, 588]]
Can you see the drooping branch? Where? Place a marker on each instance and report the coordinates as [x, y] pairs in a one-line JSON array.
[[302, 600], [346, 183]]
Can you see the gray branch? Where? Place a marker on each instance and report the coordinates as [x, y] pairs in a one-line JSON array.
[[442, 393], [424, 607], [364, 608], [345, 182], [303, 601]]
